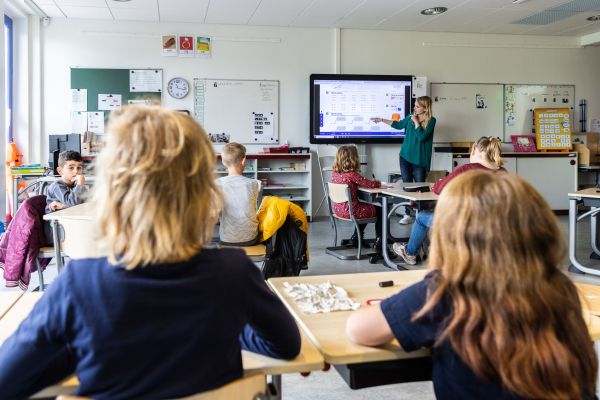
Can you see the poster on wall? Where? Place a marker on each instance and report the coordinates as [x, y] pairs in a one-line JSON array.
[[145, 80], [186, 46], [202, 48], [95, 123], [78, 99], [109, 102], [79, 121], [552, 128], [169, 45]]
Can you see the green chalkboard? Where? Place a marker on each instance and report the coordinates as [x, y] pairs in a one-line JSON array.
[[109, 81]]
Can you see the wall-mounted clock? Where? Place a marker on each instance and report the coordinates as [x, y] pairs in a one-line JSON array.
[[178, 88]]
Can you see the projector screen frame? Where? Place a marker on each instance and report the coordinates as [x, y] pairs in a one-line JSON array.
[[314, 132]]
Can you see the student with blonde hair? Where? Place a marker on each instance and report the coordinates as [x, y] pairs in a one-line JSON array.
[[504, 322], [163, 315], [239, 224], [486, 154]]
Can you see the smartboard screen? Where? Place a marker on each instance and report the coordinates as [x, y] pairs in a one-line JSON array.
[[341, 107]]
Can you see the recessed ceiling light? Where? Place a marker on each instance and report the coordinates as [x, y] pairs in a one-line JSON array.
[[594, 18], [434, 10]]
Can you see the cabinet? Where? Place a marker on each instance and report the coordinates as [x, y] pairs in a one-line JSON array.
[[287, 176], [554, 175]]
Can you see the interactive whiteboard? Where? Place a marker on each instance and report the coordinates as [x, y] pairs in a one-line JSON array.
[[244, 111]]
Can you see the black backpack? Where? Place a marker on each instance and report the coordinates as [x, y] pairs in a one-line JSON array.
[[288, 254]]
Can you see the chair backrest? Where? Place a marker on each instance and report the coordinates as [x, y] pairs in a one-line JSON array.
[[260, 193], [337, 192], [326, 157], [246, 388]]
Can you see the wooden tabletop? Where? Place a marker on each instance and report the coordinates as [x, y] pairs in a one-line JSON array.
[[396, 189], [7, 299], [327, 331], [593, 193], [83, 211], [310, 359]]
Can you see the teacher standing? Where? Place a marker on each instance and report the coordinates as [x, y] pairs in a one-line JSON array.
[[415, 153]]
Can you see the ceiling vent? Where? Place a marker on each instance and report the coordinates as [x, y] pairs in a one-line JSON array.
[[561, 12]]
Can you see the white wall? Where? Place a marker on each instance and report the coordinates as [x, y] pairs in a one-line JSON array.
[[470, 58], [287, 55], [291, 55]]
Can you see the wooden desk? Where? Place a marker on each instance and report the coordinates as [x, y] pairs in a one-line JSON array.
[[395, 195], [77, 226], [328, 331], [7, 300], [309, 359], [590, 198]]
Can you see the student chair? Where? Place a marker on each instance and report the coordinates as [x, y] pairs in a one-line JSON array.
[[246, 388], [340, 193]]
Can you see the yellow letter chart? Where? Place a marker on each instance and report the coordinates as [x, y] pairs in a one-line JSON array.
[[552, 128]]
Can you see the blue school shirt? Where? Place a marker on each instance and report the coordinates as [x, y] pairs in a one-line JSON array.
[[159, 331], [452, 378]]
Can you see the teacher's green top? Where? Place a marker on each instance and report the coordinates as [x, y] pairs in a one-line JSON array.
[[418, 142]]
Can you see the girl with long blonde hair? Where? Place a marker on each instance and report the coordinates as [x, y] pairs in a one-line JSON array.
[[503, 320], [163, 315]]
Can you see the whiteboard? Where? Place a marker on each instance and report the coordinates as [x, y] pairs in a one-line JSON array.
[[244, 111], [467, 111], [520, 100]]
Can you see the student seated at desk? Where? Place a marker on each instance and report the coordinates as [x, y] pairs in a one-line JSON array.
[[162, 316], [239, 224], [486, 154], [503, 321], [346, 169], [70, 188]]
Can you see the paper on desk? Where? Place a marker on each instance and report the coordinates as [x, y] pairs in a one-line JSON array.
[[320, 298]]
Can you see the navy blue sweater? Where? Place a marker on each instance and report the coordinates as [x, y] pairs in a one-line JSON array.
[[159, 331]]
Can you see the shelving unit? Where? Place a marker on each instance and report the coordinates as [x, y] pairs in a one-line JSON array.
[[287, 176]]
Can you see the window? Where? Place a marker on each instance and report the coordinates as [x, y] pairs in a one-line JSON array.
[[8, 74]]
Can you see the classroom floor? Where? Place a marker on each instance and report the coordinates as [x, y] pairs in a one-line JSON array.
[[329, 385]]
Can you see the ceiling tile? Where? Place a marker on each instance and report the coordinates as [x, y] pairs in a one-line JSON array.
[[133, 14], [331, 8], [183, 10], [87, 12], [231, 11], [278, 12], [51, 10], [81, 3], [148, 4], [316, 22]]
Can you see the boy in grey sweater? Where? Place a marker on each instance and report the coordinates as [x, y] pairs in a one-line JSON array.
[[67, 191], [239, 225]]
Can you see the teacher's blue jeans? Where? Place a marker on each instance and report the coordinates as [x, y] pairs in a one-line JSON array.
[[411, 172], [418, 234]]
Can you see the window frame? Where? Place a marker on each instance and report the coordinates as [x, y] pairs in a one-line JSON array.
[[8, 56]]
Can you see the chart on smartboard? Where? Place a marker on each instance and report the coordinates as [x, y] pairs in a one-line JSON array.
[[347, 108]]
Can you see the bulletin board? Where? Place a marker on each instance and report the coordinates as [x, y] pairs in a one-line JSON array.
[[244, 111], [466, 111], [521, 100], [102, 89], [553, 128]]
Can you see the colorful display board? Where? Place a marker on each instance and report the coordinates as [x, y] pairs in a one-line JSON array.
[[552, 128]]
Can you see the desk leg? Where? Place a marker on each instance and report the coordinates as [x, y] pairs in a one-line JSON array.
[[276, 381], [573, 240], [56, 239], [384, 233], [594, 236]]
